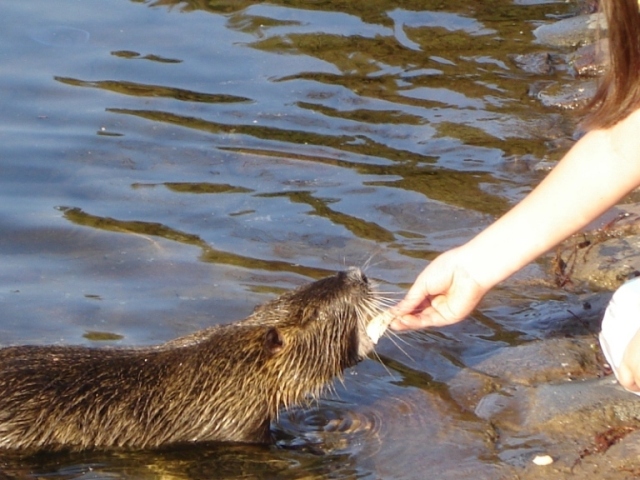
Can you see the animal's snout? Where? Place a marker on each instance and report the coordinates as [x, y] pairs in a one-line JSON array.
[[354, 274]]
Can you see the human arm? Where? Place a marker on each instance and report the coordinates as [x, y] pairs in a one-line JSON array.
[[599, 170]]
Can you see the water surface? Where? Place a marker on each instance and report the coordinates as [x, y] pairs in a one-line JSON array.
[[165, 166]]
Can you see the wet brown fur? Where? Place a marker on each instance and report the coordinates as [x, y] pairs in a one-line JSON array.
[[225, 383]]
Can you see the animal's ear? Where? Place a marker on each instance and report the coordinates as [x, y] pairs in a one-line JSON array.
[[273, 341]]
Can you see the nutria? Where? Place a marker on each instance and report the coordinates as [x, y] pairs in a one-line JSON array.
[[225, 383]]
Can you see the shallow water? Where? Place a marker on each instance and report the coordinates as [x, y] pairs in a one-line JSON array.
[[168, 165]]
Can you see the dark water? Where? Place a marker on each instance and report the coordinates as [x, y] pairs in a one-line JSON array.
[[168, 165]]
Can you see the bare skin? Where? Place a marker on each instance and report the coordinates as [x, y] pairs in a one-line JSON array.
[[601, 168], [628, 373]]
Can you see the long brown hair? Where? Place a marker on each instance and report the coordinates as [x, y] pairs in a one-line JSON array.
[[619, 92]]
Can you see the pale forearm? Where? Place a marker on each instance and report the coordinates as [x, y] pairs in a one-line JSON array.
[[599, 170]]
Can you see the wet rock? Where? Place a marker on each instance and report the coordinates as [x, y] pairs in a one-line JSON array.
[[570, 421], [618, 455], [586, 6], [469, 387], [591, 60], [552, 360], [567, 415], [605, 257], [546, 386], [504, 408], [610, 263], [539, 63], [567, 96], [571, 32], [593, 426], [494, 387], [580, 405], [574, 316]]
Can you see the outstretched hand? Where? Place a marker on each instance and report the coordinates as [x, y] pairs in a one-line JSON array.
[[444, 293]]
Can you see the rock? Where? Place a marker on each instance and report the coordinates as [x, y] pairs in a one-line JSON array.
[[575, 316], [591, 60], [567, 414], [602, 258], [538, 63], [610, 263], [551, 360], [468, 388], [502, 389], [571, 32], [592, 425], [627, 448], [567, 96], [580, 405]]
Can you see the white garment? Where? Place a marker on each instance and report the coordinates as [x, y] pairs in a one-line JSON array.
[[620, 323]]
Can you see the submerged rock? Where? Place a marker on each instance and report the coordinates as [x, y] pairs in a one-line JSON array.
[[539, 63], [571, 32], [591, 60], [567, 96]]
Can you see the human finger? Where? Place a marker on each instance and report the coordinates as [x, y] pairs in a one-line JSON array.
[[436, 314], [416, 299]]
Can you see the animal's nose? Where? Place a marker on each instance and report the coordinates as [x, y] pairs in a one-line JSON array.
[[356, 275]]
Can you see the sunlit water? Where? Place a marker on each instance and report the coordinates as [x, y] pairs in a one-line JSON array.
[[165, 166]]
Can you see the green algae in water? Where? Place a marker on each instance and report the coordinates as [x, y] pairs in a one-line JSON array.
[[96, 336]]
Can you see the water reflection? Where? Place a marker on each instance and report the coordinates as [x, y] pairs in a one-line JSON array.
[[139, 90], [440, 184], [137, 56], [209, 254], [206, 462]]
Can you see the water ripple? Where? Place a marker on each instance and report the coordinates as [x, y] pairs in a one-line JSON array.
[[328, 428], [60, 36]]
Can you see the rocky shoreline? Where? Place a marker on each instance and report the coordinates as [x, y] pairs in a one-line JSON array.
[[563, 393]]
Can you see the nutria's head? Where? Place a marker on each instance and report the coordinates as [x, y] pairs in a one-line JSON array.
[[317, 330]]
